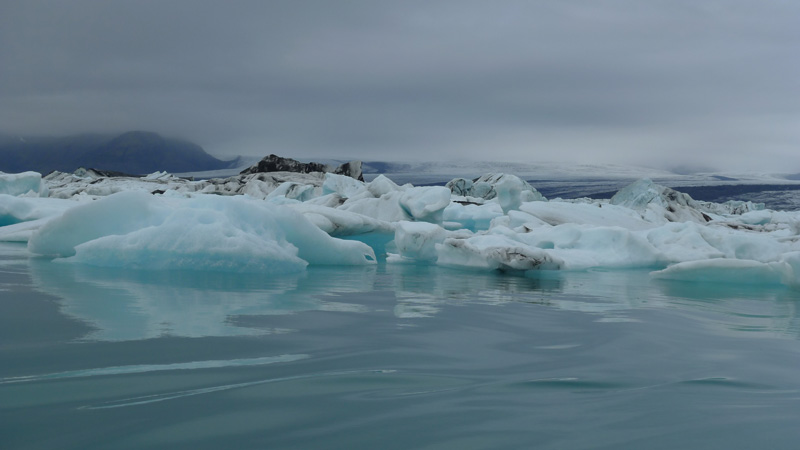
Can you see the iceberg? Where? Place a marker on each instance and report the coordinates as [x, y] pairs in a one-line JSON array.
[[343, 185], [23, 209], [425, 204], [418, 240], [20, 216], [729, 271], [495, 252], [491, 185], [25, 183], [658, 203], [282, 221], [141, 231], [471, 216]]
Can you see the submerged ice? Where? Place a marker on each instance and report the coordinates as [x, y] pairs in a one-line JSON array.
[[280, 222]]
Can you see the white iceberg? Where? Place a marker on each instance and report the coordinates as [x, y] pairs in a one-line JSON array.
[[425, 203], [418, 240], [141, 231], [735, 271], [25, 183], [659, 203]]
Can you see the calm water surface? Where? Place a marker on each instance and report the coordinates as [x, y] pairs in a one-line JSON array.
[[391, 357]]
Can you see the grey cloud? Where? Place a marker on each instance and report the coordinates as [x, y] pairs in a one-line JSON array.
[[586, 80]]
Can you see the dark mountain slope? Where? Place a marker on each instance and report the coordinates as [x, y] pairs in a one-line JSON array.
[[44, 154], [142, 152], [135, 152]]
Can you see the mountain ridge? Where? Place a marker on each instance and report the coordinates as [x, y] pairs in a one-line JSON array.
[[134, 152]]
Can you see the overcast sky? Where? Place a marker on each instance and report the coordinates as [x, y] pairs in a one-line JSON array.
[[675, 82]]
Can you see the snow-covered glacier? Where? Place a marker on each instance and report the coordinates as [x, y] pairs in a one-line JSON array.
[[280, 222]]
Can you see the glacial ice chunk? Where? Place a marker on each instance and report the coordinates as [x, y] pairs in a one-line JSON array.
[[656, 202], [382, 185], [734, 271], [417, 240], [343, 185], [347, 224], [25, 183], [581, 247], [683, 242], [494, 252], [425, 203], [472, 217], [387, 207], [14, 210], [294, 191], [598, 214], [510, 190], [791, 276], [460, 186], [141, 231], [194, 239], [157, 176], [121, 213]]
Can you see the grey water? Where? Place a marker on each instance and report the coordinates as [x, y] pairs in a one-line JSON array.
[[391, 357]]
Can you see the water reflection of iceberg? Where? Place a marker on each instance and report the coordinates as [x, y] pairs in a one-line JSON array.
[[610, 295], [132, 305], [747, 309], [605, 293], [422, 290]]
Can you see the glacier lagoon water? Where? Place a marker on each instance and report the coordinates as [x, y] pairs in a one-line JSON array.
[[391, 356]]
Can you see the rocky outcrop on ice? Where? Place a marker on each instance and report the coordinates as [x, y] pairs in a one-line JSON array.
[[275, 163]]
